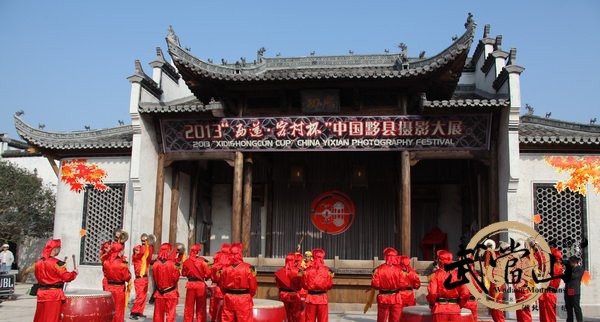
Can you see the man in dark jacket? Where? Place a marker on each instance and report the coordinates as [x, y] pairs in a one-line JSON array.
[[572, 278]]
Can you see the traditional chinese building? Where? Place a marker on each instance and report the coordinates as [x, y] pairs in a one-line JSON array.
[[349, 153]]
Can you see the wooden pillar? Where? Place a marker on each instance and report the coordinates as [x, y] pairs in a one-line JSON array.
[[269, 223], [406, 214], [493, 181], [247, 207], [158, 199], [236, 211], [174, 206]]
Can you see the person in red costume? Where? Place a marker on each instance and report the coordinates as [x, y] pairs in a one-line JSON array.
[[238, 282], [388, 279], [116, 272], [51, 275], [196, 269], [548, 298], [289, 283], [445, 303], [166, 275], [142, 257], [104, 250], [317, 280], [410, 282], [220, 260]]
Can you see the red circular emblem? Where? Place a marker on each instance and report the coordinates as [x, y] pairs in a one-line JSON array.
[[332, 212]]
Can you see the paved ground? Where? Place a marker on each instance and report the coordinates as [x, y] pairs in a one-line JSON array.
[[22, 308]]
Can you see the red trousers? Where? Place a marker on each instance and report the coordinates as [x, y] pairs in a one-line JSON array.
[[497, 315], [318, 312], [472, 305], [524, 315], [446, 312], [141, 293], [48, 311], [548, 307], [237, 308], [164, 306], [216, 309], [294, 311], [118, 295], [389, 312], [195, 301]]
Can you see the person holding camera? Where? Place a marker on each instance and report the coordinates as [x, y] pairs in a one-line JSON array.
[[572, 278]]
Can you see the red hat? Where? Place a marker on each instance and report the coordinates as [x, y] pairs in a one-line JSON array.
[[50, 245], [298, 258], [164, 250], [195, 250], [138, 248], [557, 254], [405, 261], [236, 253], [225, 248], [318, 253], [444, 257], [439, 253], [114, 251], [290, 260], [390, 251]]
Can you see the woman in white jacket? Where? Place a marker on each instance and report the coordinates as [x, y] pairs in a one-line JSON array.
[[6, 259]]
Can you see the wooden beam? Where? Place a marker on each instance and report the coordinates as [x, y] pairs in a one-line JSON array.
[[236, 209], [158, 199], [417, 156], [406, 206], [174, 206], [187, 156], [247, 206], [53, 165]]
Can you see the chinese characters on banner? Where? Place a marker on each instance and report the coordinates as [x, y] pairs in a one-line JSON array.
[[407, 132]]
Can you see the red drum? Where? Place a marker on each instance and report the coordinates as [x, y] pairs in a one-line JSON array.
[[88, 306], [268, 311], [422, 313]]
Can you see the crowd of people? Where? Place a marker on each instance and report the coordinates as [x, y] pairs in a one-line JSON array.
[[302, 283]]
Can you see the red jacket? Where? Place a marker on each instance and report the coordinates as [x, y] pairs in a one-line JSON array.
[[51, 271], [166, 276], [388, 277], [196, 268], [436, 288], [288, 279], [116, 270], [238, 277], [317, 278], [137, 260]]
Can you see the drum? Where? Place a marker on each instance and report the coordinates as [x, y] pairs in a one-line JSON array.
[[268, 311], [88, 306], [422, 313]]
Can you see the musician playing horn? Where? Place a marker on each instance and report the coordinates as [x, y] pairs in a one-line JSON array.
[[142, 259]]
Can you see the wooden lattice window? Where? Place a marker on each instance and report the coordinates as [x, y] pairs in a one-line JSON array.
[[102, 214], [563, 219]]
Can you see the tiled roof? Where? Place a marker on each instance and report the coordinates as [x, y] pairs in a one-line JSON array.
[[186, 104], [464, 103], [322, 67], [535, 130], [112, 138]]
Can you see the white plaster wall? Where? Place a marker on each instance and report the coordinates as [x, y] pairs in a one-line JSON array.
[[536, 170], [467, 78], [39, 164], [173, 90], [69, 216], [221, 216], [147, 97]]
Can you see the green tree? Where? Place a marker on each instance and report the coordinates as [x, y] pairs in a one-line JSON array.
[[26, 204]]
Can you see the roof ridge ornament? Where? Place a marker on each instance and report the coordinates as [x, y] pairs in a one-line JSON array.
[[159, 54], [512, 60], [470, 21], [138, 68], [172, 37], [498, 43], [486, 30], [260, 54]]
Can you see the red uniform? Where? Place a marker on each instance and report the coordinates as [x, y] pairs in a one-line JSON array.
[[289, 283], [197, 271], [238, 281], [141, 266], [317, 280], [548, 298], [445, 303], [410, 282], [51, 274], [388, 279], [104, 250], [471, 302], [220, 260], [116, 272], [166, 276]]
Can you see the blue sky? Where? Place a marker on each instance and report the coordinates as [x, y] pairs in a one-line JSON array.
[[65, 63]]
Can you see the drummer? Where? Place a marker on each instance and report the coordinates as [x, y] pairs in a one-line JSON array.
[[238, 281], [51, 275], [196, 269], [116, 272], [317, 280], [220, 260], [289, 283], [445, 303]]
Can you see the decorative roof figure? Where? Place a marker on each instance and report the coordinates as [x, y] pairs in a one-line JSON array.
[[470, 20], [260, 54], [593, 121], [422, 54], [171, 36], [486, 30], [19, 112], [223, 61], [529, 109]]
